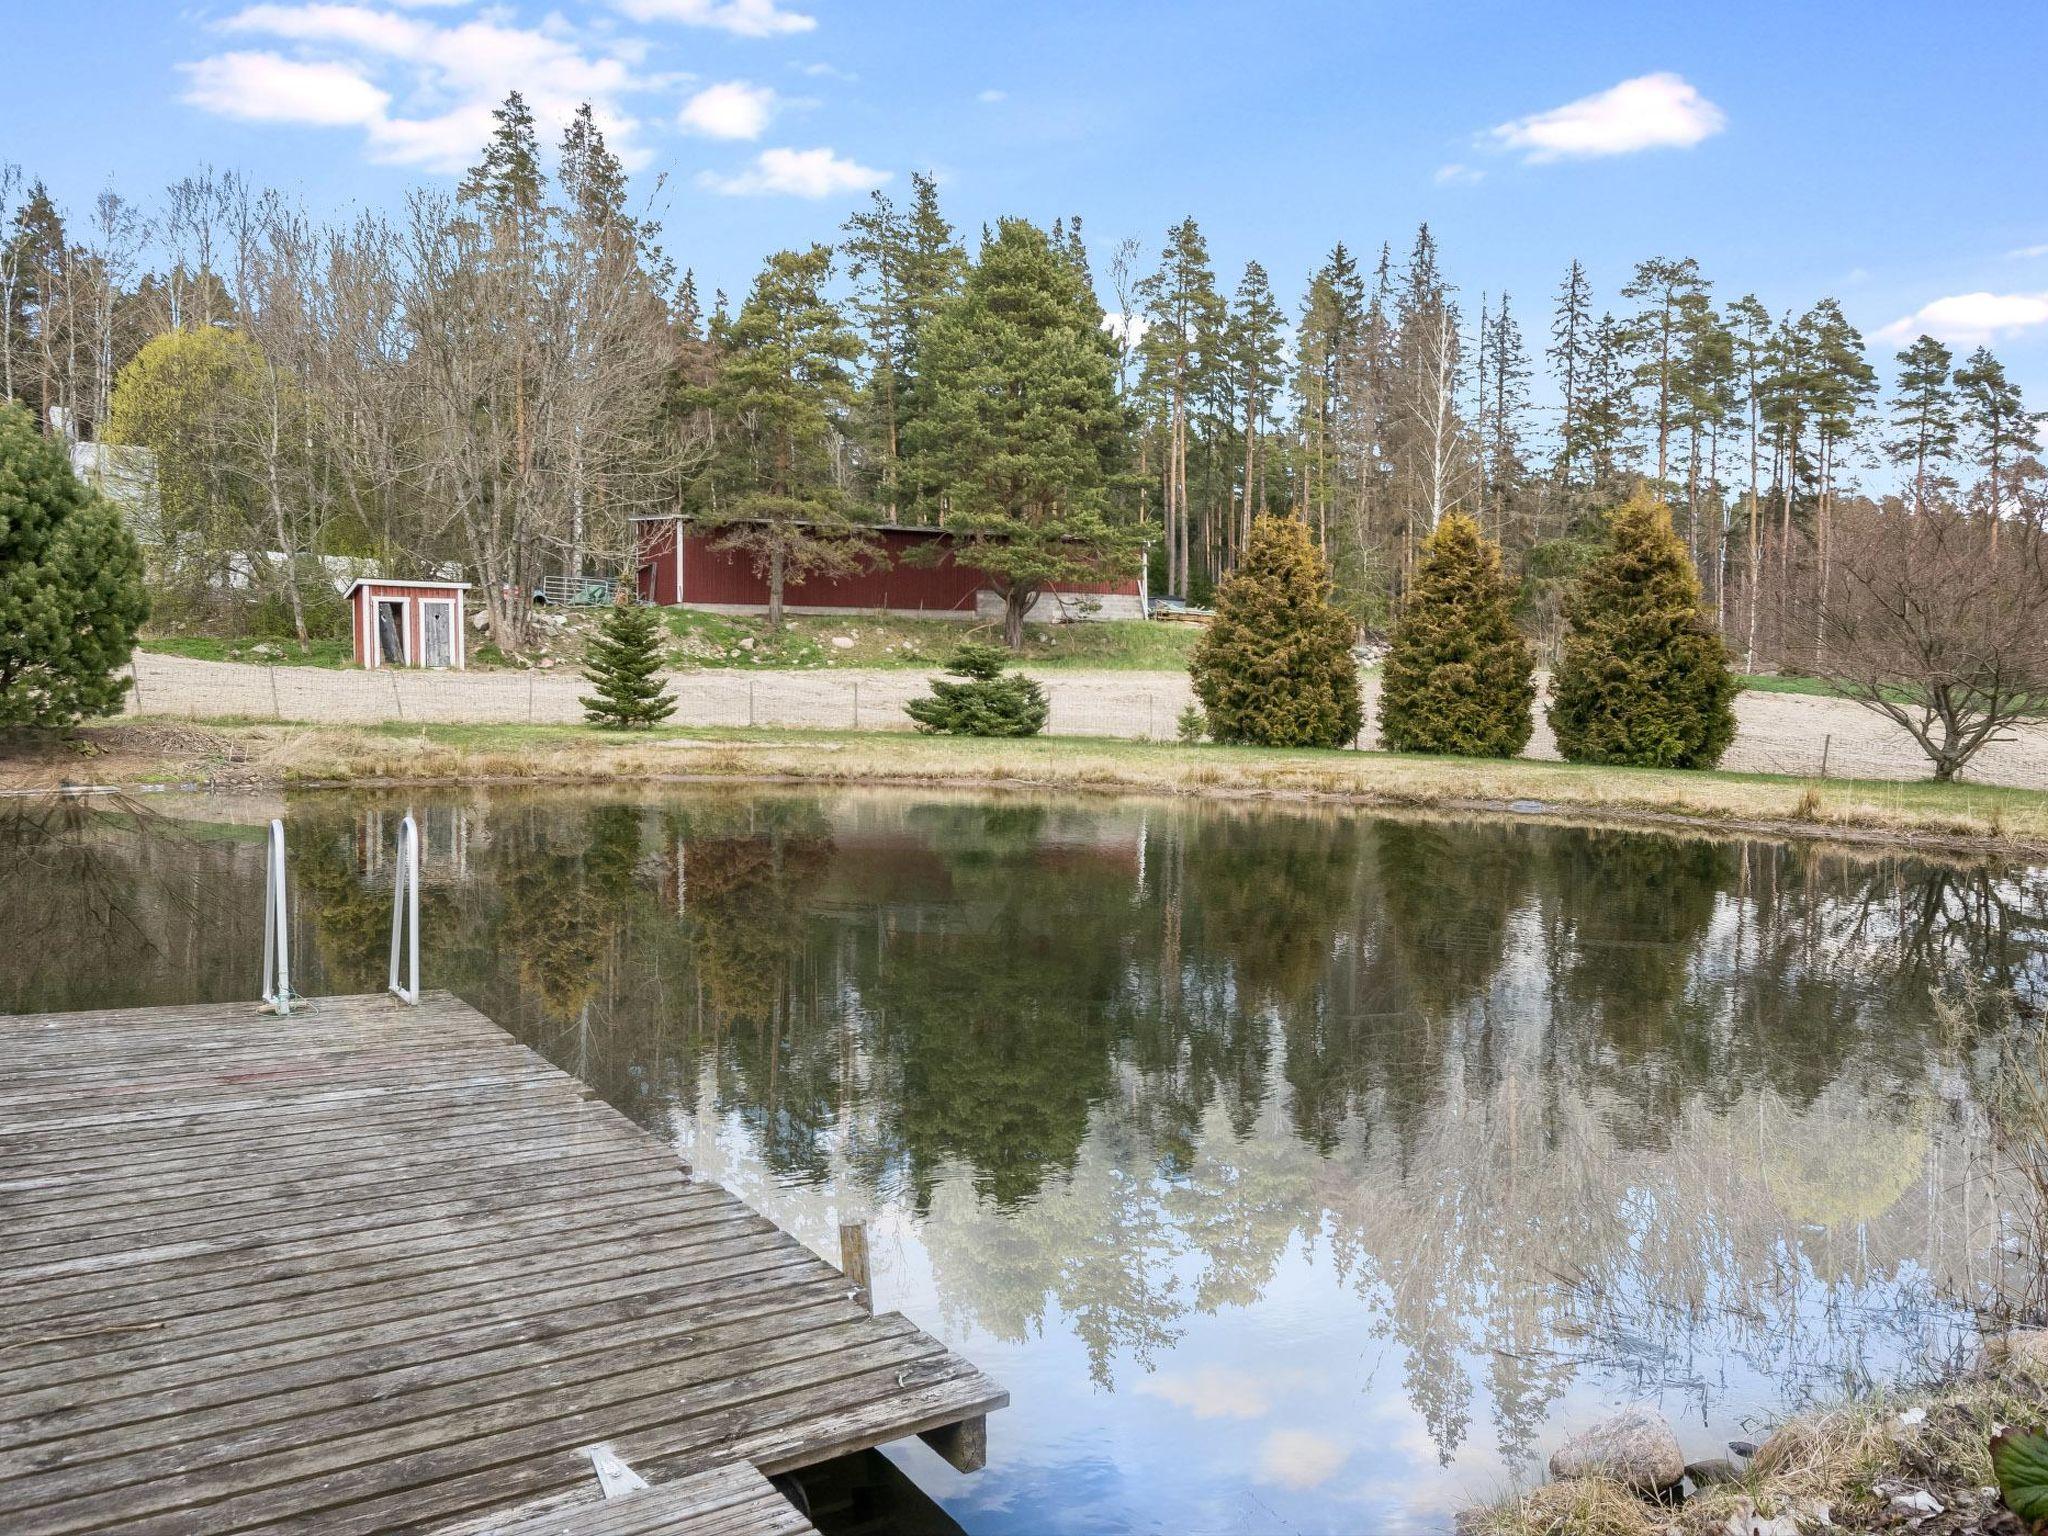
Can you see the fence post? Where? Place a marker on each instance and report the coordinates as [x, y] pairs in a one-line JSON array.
[[275, 712], [529, 696], [135, 675], [750, 703], [1826, 742], [856, 704], [1149, 720], [397, 703]]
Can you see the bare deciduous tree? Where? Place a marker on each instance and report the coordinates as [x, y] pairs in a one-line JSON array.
[[1939, 627]]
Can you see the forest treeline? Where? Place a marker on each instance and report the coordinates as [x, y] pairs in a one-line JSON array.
[[502, 376]]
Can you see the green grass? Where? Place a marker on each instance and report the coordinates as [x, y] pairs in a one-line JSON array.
[[807, 641], [275, 652]]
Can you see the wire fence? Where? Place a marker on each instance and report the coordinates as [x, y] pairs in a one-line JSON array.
[[1793, 734]]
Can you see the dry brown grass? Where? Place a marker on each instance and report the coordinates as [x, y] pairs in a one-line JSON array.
[[1963, 817], [1937, 1440]]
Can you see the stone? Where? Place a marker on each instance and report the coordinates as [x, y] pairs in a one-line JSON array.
[[1634, 1448], [747, 644], [842, 642], [1713, 1473]]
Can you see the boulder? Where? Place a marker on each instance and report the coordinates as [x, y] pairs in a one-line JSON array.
[[1634, 1448]]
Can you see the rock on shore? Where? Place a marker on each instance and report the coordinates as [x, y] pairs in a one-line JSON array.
[[1634, 1448]]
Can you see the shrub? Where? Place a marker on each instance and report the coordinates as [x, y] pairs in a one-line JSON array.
[[621, 664], [1458, 675], [1643, 680], [1275, 669], [1192, 726], [990, 702], [71, 592]]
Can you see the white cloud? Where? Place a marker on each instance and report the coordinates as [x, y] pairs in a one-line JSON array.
[[825, 72], [1972, 317], [1456, 175], [796, 173], [1660, 111], [990, 97], [1300, 1458], [732, 109], [420, 87], [2028, 252], [267, 88], [1130, 332], [743, 18]]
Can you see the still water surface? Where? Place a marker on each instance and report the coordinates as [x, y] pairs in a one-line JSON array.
[[1295, 1170]]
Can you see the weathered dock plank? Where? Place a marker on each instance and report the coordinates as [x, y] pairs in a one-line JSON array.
[[376, 1268]]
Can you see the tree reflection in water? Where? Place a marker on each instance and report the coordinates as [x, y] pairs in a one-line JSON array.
[[1541, 1104]]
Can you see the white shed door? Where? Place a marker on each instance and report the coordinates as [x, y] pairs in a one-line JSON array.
[[437, 621]]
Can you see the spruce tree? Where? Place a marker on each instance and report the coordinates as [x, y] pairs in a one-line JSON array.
[[1020, 427], [71, 593], [1458, 676], [1924, 416], [1275, 668], [990, 702], [1644, 679], [622, 665]]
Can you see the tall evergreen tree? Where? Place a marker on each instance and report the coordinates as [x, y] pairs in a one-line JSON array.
[[1644, 679], [2001, 427], [1324, 345], [1506, 412], [1458, 675], [1182, 348], [1256, 347], [1570, 354], [1667, 289], [1275, 668], [1924, 427], [1022, 429], [782, 387]]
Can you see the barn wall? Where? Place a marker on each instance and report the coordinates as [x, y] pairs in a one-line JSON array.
[[690, 569]]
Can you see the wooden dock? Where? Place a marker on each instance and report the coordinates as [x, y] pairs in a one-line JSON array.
[[378, 1268]]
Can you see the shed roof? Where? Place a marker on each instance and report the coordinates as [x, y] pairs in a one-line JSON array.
[[385, 581]]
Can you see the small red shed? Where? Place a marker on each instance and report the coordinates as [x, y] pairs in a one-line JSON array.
[[408, 623]]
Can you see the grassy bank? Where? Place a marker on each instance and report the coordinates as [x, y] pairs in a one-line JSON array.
[[1840, 1470], [721, 640], [262, 755]]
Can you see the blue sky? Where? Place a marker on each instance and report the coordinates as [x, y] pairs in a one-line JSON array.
[[1885, 153]]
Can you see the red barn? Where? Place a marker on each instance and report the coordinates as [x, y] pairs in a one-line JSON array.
[[679, 566], [407, 623]]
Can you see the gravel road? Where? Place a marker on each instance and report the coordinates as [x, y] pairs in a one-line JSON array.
[[1779, 732]]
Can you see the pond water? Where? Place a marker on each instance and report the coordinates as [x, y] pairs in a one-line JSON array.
[[1296, 1170]]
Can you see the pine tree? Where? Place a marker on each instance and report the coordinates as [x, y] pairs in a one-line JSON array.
[[1571, 335], [1644, 679], [783, 380], [1021, 428], [989, 702], [1325, 346], [623, 664], [71, 592], [2000, 425], [1275, 668], [1924, 416], [1506, 408], [1458, 675], [1182, 346], [1668, 288], [1256, 347]]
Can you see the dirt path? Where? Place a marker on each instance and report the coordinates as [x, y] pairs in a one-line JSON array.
[[1779, 732]]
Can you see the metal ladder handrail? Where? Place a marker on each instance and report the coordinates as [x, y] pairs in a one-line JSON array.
[[405, 911], [277, 965]]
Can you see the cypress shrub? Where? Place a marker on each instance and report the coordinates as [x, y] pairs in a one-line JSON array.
[[1644, 679], [1458, 675], [621, 665], [990, 702], [1275, 668]]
